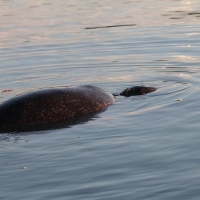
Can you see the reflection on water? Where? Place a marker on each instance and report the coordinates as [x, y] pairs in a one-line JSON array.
[[144, 147], [49, 126]]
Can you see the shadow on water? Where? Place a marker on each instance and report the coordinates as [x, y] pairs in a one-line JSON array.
[[112, 26], [181, 14], [51, 126]]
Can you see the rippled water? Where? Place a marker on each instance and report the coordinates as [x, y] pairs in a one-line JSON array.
[[143, 147]]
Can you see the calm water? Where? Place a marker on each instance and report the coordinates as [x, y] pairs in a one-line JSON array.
[[144, 147]]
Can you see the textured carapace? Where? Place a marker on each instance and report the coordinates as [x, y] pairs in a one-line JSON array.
[[54, 104]]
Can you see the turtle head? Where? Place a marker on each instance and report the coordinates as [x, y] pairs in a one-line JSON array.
[[137, 90]]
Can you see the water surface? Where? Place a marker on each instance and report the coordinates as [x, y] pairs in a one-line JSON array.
[[143, 147]]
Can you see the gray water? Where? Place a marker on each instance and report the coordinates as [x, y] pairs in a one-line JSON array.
[[142, 147]]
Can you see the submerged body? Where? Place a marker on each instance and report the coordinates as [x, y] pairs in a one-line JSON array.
[[58, 104]]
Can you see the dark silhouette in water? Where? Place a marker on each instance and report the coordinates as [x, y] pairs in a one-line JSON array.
[[47, 108], [67, 123], [137, 90]]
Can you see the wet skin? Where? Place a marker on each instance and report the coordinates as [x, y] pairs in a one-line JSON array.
[[58, 104]]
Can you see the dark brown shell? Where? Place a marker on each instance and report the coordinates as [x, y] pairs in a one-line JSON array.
[[54, 104]]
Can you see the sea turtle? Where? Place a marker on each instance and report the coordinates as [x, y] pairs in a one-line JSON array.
[[62, 104]]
